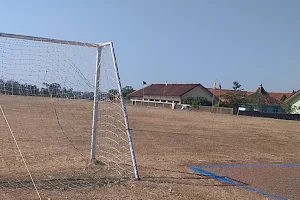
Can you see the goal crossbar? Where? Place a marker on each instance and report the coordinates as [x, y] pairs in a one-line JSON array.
[[51, 40]]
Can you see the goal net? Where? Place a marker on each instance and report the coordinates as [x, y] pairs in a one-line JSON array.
[[63, 122]]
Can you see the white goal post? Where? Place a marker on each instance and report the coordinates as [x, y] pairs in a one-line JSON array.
[[51, 82], [95, 107]]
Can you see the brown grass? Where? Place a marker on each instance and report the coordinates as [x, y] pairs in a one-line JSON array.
[[166, 142]]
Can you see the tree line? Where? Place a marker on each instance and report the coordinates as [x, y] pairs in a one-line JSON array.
[[12, 87], [55, 90]]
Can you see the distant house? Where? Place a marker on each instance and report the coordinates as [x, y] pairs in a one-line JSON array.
[[262, 101], [280, 96], [221, 92], [171, 93], [294, 102]]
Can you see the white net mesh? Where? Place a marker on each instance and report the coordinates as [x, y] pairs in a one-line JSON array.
[[112, 138], [46, 94]]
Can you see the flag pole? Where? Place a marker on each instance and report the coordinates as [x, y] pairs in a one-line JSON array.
[[219, 98], [220, 87], [144, 83], [212, 101], [213, 97], [143, 93]]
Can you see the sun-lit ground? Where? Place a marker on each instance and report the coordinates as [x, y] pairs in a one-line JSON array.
[[55, 139]]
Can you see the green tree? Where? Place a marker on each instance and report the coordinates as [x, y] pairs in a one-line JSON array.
[[55, 89], [197, 101], [2, 82], [113, 94], [236, 85], [126, 91], [12, 87], [235, 98], [52, 89], [283, 98]]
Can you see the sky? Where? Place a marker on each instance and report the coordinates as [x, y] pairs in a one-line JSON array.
[[191, 41]]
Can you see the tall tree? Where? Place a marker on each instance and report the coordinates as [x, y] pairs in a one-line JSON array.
[[236, 85], [12, 87], [2, 84], [283, 98], [126, 91], [52, 89], [235, 98], [113, 94]]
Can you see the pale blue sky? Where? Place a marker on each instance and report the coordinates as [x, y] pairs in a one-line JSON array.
[[189, 41]]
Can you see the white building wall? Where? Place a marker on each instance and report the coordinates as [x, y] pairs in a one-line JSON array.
[[169, 99], [296, 106], [198, 92]]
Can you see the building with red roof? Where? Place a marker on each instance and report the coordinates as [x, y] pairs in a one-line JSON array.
[[171, 92]]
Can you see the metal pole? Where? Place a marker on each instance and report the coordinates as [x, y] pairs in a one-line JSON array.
[[212, 101], [136, 174], [219, 100], [95, 108], [143, 94]]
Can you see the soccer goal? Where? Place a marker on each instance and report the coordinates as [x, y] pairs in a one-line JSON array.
[[63, 120]]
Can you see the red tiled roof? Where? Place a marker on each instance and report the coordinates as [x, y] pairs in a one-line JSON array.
[[166, 89], [221, 92], [264, 99], [292, 96], [180, 89], [276, 95]]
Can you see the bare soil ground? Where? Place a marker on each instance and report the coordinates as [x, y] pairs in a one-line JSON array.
[[166, 142]]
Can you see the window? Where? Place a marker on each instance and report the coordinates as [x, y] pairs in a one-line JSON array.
[[275, 109], [163, 100], [151, 99], [264, 108]]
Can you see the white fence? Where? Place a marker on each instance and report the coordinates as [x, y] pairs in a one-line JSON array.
[[149, 103], [220, 110]]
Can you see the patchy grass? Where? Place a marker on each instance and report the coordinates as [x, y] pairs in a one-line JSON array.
[[165, 142]]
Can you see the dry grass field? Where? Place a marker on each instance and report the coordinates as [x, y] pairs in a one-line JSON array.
[[54, 136]]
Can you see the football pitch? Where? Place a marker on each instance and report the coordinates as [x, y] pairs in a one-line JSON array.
[[180, 154]]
